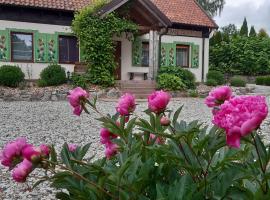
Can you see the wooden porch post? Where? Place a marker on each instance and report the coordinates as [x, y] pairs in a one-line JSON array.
[[153, 54]]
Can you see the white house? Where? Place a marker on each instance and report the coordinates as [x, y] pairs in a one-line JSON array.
[[173, 33]]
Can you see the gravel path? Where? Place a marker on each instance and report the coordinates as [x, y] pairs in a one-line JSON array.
[[53, 123]]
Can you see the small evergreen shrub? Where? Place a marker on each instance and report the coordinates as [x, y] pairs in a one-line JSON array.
[[53, 75], [211, 82], [187, 77], [217, 76], [238, 82], [170, 82], [260, 80], [11, 76]]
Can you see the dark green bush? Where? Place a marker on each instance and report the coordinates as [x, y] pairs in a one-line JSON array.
[[267, 80], [185, 75], [238, 82], [211, 82], [79, 81], [11, 76], [217, 76], [260, 80], [170, 82], [53, 75]]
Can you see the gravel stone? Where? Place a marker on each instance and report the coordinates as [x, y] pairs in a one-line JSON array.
[[54, 123]]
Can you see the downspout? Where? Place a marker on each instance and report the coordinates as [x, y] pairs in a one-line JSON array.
[[203, 59]]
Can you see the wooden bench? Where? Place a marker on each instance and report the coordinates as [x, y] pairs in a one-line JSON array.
[[131, 75]]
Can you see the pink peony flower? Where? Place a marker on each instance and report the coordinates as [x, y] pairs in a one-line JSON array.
[[106, 135], [240, 116], [72, 147], [111, 149], [75, 97], [21, 171], [45, 150], [218, 96], [126, 104], [34, 154], [12, 152], [158, 101]]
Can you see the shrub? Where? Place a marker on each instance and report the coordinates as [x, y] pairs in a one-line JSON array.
[[185, 75], [170, 82], [217, 76], [211, 82], [193, 93], [263, 80], [260, 80], [53, 75], [267, 80], [11, 76], [79, 80], [238, 82]]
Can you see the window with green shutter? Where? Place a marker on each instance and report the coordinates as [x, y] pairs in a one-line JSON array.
[[4, 45]]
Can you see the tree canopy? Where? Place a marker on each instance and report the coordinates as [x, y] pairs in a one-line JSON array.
[[244, 28], [213, 7]]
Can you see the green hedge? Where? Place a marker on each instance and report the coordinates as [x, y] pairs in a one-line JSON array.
[[11, 76], [241, 56], [187, 77], [170, 82], [217, 76], [263, 80], [238, 82]]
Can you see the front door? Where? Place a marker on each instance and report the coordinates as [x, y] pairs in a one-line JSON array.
[[117, 55]]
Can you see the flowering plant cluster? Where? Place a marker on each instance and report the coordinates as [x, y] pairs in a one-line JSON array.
[[159, 156]]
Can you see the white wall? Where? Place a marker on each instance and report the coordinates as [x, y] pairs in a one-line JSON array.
[[35, 68], [199, 41], [127, 56]]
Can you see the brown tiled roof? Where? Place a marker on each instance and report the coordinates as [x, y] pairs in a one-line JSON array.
[[178, 11], [69, 5], [185, 12]]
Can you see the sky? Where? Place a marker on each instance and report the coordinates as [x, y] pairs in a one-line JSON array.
[[257, 13]]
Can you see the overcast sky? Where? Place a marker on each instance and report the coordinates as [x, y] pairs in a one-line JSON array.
[[257, 13]]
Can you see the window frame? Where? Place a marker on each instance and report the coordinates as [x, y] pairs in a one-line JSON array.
[[11, 47], [61, 62], [183, 46], [145, 42]]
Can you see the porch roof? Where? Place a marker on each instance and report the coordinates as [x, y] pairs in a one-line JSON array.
[[186, 12]]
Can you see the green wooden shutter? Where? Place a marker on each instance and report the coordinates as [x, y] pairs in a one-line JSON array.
[[41, 47], [52, 47], [195, 51], [163, 53], [171, 53], [137, 52], [4, 45]]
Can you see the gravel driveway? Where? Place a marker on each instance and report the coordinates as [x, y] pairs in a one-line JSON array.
[[54, 123]]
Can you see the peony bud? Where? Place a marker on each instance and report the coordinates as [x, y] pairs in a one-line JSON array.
[[126, 104], [75, 96], [165, 121], [21, 171]]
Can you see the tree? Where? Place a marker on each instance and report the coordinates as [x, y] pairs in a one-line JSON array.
[[252, 32], [212, 7], [216, 39], [262, 33], [244, 28], [230, 30]]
